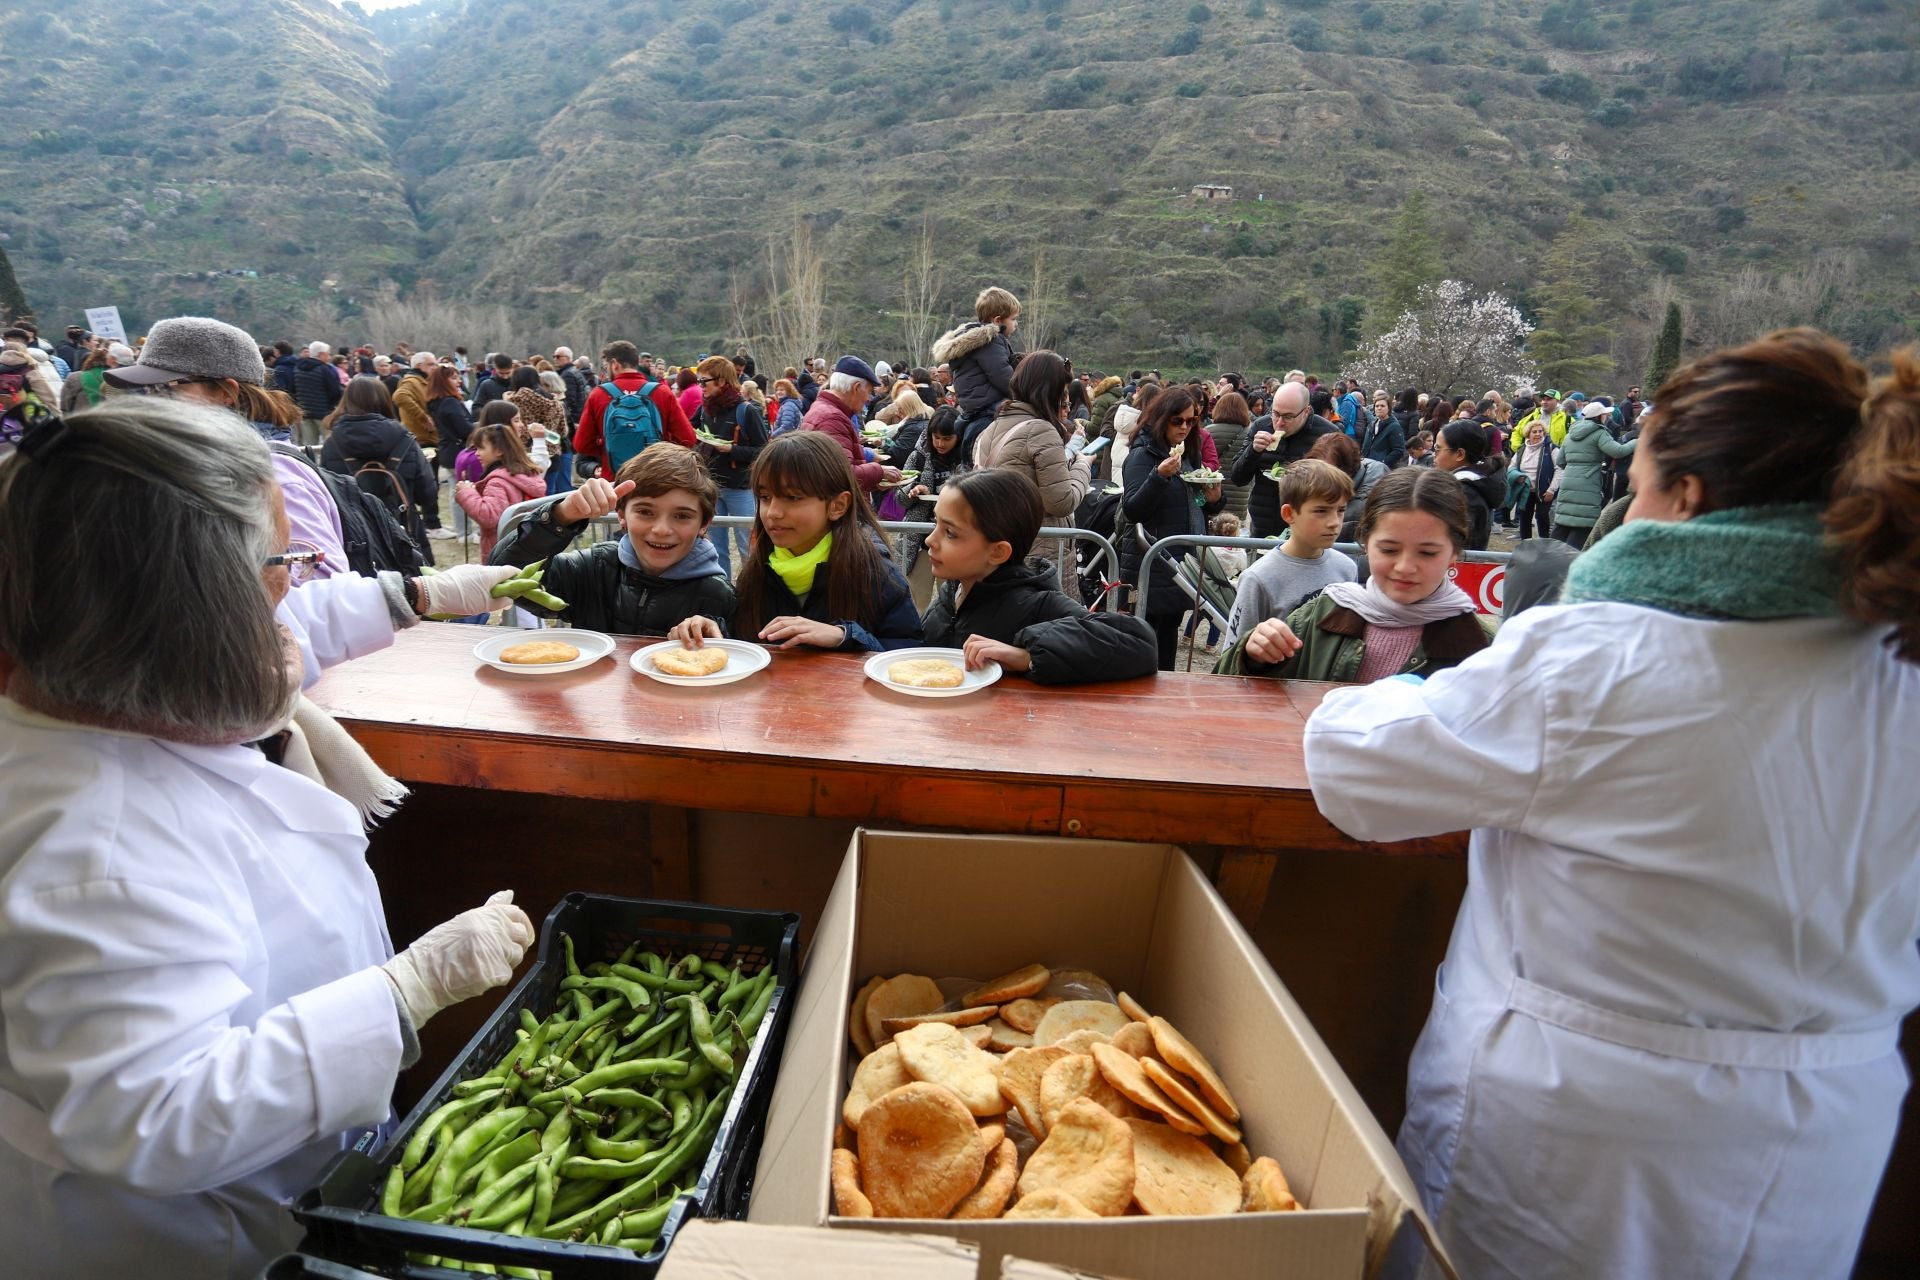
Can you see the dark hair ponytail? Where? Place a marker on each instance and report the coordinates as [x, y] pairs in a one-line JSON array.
[[1874, 516], [1467, 436], [1417, 489]]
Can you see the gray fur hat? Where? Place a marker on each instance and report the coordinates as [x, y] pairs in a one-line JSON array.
[[193, 347]]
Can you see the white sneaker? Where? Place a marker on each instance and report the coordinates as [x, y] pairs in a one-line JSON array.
[[442, 535]]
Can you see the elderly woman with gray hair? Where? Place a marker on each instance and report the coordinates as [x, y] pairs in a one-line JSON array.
[[199, 999]]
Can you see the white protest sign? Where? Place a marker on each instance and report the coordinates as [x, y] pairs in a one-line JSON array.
[[105, 323]]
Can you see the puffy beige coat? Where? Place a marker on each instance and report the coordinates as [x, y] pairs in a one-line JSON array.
[[1018, 440]]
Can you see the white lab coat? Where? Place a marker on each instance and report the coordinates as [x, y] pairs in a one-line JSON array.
[[1664, 1040], [191, 1016]]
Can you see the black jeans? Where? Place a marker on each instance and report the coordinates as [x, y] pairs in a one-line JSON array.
[[1536, 513], [1574, 535], [1166, 634]]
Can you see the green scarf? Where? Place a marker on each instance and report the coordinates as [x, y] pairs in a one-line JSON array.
[[797, 570], [1749, 563]]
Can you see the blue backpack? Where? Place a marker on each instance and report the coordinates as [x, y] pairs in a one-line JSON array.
[[631, 423]]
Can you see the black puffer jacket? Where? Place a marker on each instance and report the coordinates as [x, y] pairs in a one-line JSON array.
[[1263, 504], [316, 387], [1019, 604], [577, 390], [746, 427], [1162, 506], [360, 438], [1486, 486], [981, 357], [604, 595]]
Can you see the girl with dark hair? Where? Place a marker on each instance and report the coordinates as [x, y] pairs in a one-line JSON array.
[[1161, 503], [938, 459], [507, 477], [366, 441], [1029, 434], [1407, 617], [1002, 606], [819, 571], [1461, 447], [1688, 937]]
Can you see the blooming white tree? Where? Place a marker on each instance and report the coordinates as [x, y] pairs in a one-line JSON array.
[[1450, 339]]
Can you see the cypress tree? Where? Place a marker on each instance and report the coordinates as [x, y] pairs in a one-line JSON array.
[[1666, 350], [1570, 334], [1410, 260], [13, 300]]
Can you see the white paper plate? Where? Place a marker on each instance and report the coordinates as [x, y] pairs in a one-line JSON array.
[[592, 645], [973, 681], [743, 660]]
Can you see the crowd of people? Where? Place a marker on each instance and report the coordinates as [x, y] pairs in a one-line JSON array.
[[1664, 1041]]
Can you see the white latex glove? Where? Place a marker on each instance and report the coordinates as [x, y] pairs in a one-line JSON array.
[[472, 953], [462, 590]]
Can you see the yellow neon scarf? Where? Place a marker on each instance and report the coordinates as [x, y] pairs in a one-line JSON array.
[[797, 570]]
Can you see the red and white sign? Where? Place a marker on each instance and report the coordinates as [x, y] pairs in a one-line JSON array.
[[1486, 583]]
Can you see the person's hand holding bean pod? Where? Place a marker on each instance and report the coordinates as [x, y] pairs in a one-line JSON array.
[[469, 954], [464, 590]]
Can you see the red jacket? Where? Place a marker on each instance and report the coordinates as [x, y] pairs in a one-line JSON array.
[[831, 418], [588, 439]]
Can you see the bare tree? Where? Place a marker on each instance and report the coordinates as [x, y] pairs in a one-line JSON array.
[[1036, 309], [742, 313], [1822, 293], [921, 290], [796, 296], [427, 322]]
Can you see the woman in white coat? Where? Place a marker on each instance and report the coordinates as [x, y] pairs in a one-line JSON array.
[[1664, 1040], [199, 1003]]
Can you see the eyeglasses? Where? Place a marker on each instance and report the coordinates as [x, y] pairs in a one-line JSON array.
[[1289, 417], [1184, 420], [178, 385], [706, 380], [299, 560]]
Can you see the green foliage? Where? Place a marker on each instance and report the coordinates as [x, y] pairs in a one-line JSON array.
[[1432, 14], [1729, 218], [1410, 260], [1307, 35], [13, 299], [1199, 13], [1612, 114], [1572, 24], [703, 32], [1571, 88], [1641, 14], [1666, 351], [1184, 43], [850, 19], [1191, 89], [1434, 55], [1535, 64], [989, 247], [1570, 334], [1726, 77], [1256, 8]]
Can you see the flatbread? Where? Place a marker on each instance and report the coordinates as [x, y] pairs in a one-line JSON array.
[[1125, 1074], [1264, 1189], [1134, 1039], [1178, 1052], [1069, 1016], [920, 1152], [1025, 1015], [1021, 1072], [1076, 1076], [538, 653], [927, 673], [1178, 1175], [857, 1017], [900, 997], [1132, 1008], [848, 1200], [938, 1054], [1088, 1154], [1029, 981], [1049, 1202], [1001, 1038], [952, 1017], [878, 1074], [707, 661], [990, 1198], [1176, 1087]]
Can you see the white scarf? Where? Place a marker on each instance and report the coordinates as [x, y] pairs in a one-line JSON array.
[[1381, 610], [319, 749]]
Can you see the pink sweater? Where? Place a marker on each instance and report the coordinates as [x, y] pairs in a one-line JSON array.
[[489, 500]]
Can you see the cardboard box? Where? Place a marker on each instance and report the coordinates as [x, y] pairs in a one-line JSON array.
[[1145, 918], [711, 1249]]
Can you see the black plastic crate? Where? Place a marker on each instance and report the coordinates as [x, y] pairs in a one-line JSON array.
[[303, 1266], [341, 1213]]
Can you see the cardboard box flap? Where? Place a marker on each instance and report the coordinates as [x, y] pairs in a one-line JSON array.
[[706, 1249], [1356, 1163], [1026, 1269]]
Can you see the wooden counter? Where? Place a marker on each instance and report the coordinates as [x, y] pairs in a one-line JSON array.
[[1192, 759]]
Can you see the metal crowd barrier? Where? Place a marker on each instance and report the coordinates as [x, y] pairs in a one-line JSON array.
[[1181, 540]]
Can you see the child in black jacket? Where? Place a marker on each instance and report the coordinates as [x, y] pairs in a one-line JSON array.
[[999, 606]]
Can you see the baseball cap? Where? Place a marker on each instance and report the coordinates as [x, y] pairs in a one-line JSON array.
[[1549, 394], [193, 347], [883, 369], [1594, 410], [855, 367]]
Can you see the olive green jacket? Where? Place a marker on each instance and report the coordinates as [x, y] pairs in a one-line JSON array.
[[1333, 641]]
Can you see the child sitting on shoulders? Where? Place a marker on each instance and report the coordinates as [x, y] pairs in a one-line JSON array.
[[1313, 501], [1407, 619], [1000, 606], [819, 571], [659, 572]]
